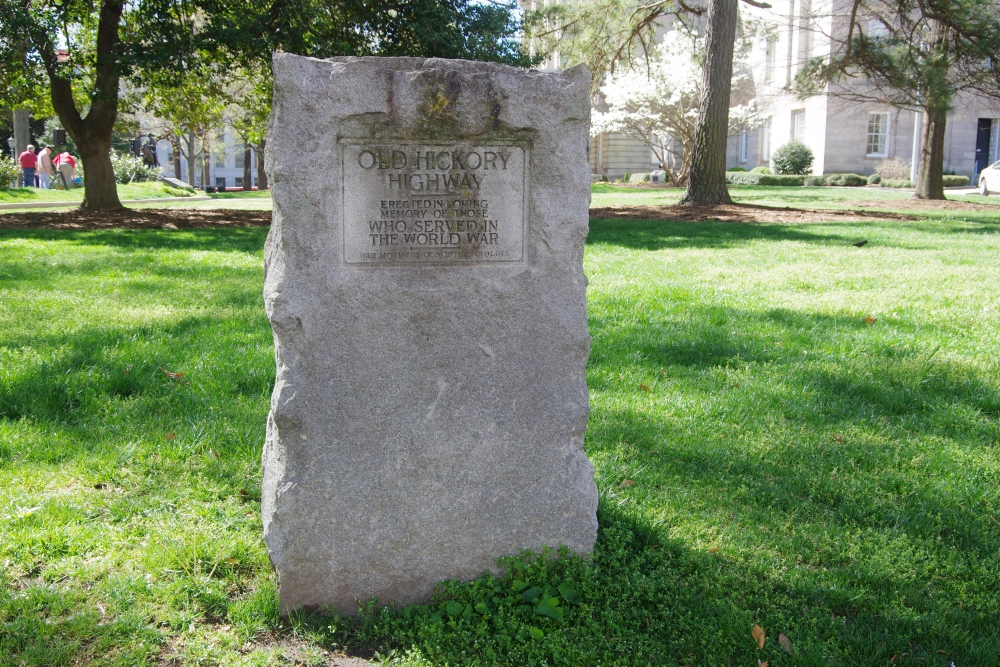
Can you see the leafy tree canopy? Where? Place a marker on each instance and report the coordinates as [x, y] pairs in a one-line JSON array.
[[81, 50]]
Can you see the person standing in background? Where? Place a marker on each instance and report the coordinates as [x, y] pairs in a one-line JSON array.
[[44, 168], [28, 161]]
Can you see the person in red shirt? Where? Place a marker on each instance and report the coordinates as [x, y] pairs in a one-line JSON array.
[[28, 161], [65, 163]]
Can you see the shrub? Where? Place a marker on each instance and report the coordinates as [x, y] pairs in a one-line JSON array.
[[850, 180], [9, 173], [893, 170], [640, 177], [760, 170], [736, 169], [793, 158], [131, 169], [750, 178], [874, 179], [814, 180], [949, 181]]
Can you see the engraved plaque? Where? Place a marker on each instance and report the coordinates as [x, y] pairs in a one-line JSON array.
[[416, 203]]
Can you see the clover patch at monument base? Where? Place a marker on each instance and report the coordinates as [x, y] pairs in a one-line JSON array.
[[428, 305]]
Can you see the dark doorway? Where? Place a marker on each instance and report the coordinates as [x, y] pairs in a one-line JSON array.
[[982, 146]]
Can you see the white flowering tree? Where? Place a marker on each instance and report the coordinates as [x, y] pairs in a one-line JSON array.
[[656, 101]]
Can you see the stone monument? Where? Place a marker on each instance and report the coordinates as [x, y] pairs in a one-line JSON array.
[[424, 282]]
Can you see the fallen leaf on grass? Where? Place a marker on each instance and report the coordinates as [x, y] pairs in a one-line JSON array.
[[169, 436], [785, 642], [627, 482], [759, 634], [644, 387], [893, 659], [868, 320], [713, 550], [176, 377], [232, 561], [761, 664]]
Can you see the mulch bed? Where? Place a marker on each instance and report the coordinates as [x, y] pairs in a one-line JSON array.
[[191, 218], [146, 218], [740, 213], [927, 204]]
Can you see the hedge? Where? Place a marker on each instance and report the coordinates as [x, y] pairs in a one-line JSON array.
[[949, 181], [750, 178], [850, 180]]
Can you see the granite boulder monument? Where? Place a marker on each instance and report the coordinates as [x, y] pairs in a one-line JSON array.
[[424, 283]]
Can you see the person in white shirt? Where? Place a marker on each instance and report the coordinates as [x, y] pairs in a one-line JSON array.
[[44, 168]]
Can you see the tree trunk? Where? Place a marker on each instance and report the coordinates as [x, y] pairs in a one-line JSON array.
[[192, 181], [930, 183], [261, 174], [22, 131], [937, 101], [175, 145], [206, 164], [707, 184], [247, 173], [100, 192], [92, 133]]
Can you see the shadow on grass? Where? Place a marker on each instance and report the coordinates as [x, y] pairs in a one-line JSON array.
[[90, 368], [242, 239], [659, 235], [859, 453]]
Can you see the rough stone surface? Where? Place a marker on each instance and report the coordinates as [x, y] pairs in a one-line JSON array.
[[430, 403]]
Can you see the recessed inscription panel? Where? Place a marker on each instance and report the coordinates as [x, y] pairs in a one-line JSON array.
[[423, 203]]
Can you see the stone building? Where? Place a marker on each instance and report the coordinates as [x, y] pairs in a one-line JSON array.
[[225, 162], [845, 136]]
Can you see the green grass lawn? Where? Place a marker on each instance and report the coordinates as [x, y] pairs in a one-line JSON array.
[[788, 431], [795, 197], [253, 200], [150, 190]]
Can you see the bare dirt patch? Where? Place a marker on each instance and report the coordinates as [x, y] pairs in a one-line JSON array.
[[740, 213], [926, 205], [158, 218]]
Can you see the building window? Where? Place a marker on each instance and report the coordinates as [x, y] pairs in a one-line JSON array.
[[240, 158], [765, 140], [799, 125], [744, 146], [239, 181], [220, 182], [878, 135], [770, 56]]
